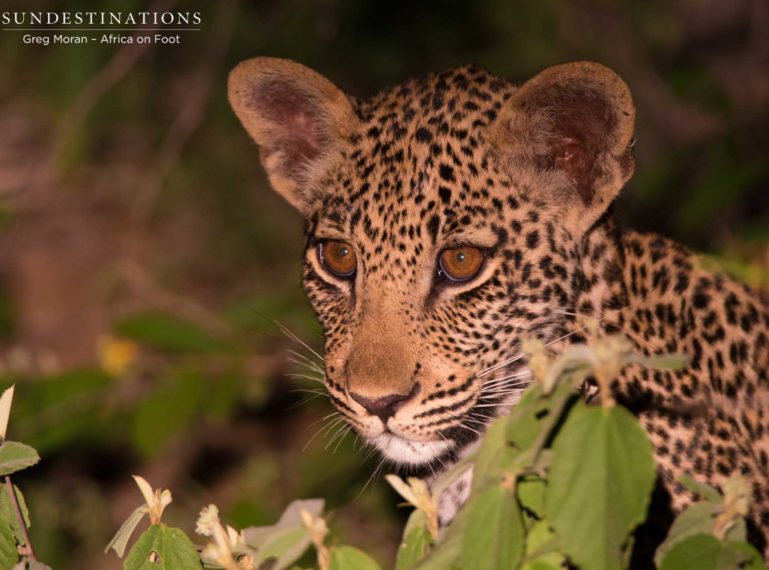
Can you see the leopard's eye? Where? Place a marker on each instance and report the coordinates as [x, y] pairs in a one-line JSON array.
[[338, 258], [460, 264]]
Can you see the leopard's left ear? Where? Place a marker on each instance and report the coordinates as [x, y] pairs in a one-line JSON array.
[[571, 126]]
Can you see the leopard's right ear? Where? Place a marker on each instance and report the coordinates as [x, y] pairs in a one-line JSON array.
[[299, 119]]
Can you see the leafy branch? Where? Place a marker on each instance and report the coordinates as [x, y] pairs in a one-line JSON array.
[[557, 483], [16, 548]]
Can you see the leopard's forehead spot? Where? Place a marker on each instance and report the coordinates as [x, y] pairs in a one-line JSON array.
[[418, 173]]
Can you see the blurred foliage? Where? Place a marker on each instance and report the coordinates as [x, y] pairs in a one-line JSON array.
[[144, 263]]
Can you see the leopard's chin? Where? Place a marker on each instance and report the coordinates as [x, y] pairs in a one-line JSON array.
[[409, 452]]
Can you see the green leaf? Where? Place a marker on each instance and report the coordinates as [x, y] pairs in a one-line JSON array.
[[750, 558], [450, 476], [8, 511], [702, 489], [494, 455], [601, 479], [445, 555], [165, 332], [541, 565], [9, 556], [416, 541], [494, 536], [15, 456], [660, 361], [531, 494], [534, 418], [697, 519], [571, 367], [119, 542], [524, 421], [738, 532], [706, 552], [287, 540], [162, 548], [541, 553], [258, 536], [349, 558], [283, 547]]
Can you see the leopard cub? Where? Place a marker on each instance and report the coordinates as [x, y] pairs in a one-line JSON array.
[[449, 217]]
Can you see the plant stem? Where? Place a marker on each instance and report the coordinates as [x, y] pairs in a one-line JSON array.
[[20, 517]]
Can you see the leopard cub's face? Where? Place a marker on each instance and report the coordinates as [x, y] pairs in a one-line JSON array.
[[444, 219], [418, 305]]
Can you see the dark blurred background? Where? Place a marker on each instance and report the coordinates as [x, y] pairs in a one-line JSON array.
[[144, 261]]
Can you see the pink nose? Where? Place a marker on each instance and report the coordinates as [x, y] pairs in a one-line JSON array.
[[385, 406]]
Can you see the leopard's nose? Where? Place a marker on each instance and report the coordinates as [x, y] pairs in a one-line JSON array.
[[385, 406]]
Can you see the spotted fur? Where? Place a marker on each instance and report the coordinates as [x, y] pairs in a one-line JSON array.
[[528, 174]]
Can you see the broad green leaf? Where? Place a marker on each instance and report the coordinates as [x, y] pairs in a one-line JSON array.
[[8, 511], [494, 536], [15, 456], [8, 553], [494, 455], [165, 332], [697, 519], [531, 494], [445, 556], [119, 542], [738, 532], [162, 548], [535, 416], [508, 438], [283, 547], [706, 552], [601, 479], [750, 558], [349, 558], [541, 553], [541, 565], [416, 541], [523, 423], [447, 551]]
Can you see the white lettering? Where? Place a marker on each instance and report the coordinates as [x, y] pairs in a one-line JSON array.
[[40, 40], [163, 39]]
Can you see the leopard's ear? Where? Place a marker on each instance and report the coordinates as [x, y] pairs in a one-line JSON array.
[[572, 127], [299, 119]]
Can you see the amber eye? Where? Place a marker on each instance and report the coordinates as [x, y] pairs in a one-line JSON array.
[[460, 264], [338, 258]]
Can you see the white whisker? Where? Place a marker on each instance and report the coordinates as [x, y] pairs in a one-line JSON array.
[[295, 338], [298, 375]]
